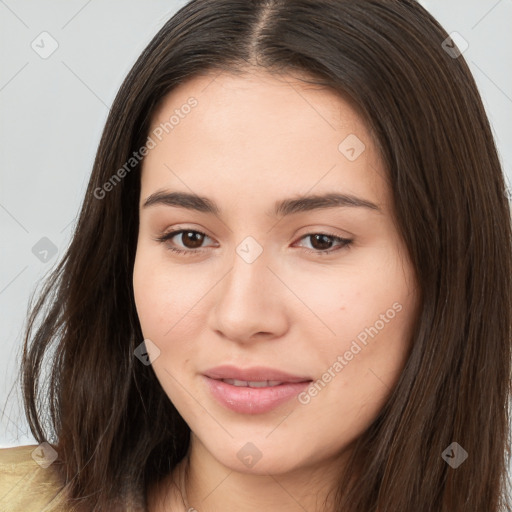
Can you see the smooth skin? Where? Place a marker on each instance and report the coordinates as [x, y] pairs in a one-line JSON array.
[[251, 141]]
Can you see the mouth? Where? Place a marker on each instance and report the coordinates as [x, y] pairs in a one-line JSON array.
[[253, 390], [253, 384], [253, 374]]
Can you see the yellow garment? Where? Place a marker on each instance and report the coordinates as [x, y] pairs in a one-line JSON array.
[[25, 486]]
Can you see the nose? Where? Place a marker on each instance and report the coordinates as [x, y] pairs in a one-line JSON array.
[[250, 302]]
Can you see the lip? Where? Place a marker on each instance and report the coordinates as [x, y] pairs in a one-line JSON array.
[[248, 400], [253, 373]]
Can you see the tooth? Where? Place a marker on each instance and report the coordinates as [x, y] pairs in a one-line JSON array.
[[258, 384], [234, 382], [252, 384], [264, 383]]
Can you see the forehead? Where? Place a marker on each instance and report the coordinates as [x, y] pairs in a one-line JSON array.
[[255, 131], [256, 97]]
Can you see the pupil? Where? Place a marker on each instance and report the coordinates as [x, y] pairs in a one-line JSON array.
[[195, 243], [325, 239]]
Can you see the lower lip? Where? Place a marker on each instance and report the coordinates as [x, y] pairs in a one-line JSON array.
[[246, 400]]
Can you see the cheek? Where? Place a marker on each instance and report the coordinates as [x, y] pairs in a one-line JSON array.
[[165, 317], [164, 297], [168, 302], [357, 376], [369, 309], [367, 288], [149, 294]]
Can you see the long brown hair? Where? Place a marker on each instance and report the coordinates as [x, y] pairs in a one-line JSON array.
[[114, 428]]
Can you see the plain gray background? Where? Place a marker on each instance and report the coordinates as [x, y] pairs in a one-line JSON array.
[[53, 109]]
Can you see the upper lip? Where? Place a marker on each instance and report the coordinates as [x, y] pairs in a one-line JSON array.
[[252, 374]]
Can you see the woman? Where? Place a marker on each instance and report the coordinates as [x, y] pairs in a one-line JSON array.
[[289, 285]]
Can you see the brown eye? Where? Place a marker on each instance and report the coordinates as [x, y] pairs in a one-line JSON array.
[[322, 243], [192, 239]]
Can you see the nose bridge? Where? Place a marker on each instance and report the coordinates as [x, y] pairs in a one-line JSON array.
[[246, 300], [248, 275]]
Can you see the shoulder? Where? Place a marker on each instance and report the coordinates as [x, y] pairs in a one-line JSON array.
[[28, 480]]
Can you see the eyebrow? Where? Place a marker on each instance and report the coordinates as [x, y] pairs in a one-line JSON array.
[[282, 207]]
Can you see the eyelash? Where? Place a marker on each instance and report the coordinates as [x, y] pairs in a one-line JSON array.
[[345, 242]]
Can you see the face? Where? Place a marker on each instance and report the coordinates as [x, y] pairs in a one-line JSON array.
[[280, 328]]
